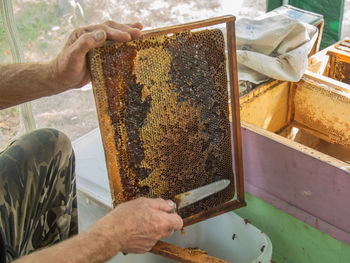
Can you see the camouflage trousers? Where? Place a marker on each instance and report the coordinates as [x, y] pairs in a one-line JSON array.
[[38, 202]]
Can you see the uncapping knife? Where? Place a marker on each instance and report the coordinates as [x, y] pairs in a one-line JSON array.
[[195, 195]]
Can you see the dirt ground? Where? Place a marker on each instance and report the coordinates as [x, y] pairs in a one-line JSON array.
[[73, 112]]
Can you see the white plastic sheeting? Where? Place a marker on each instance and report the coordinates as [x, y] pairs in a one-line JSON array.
[[273, 47]]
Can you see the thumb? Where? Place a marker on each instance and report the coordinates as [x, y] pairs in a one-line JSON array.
[[99, 36], [163, 205], [88, 41]]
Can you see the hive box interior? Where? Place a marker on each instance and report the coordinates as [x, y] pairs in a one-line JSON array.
[[314, 112]]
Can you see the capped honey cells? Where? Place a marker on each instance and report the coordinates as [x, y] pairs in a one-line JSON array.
[[163, 111]]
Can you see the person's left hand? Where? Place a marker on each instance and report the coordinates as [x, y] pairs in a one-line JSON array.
[[69, 68]]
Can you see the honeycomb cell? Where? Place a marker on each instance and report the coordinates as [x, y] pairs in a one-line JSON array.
[[163, 110]]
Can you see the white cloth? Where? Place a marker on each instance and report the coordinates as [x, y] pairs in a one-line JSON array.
[[273, 47]]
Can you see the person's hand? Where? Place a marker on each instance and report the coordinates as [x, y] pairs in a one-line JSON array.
[[69, 68], [136, 226]]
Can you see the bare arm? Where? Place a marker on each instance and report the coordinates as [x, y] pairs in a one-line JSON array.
[[24, 82], [132, 227]]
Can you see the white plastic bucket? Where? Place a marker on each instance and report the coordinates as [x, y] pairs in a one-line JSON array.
[[215, 236]]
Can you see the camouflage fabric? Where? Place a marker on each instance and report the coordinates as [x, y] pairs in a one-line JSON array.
[[38, 204]]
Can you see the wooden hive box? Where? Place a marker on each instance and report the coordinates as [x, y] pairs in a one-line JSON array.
[[296, 145]]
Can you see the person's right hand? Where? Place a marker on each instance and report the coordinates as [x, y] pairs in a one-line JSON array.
[[69, 68], [136, 226]]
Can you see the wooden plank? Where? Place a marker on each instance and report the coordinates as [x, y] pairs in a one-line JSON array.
[[331, 66], [184, 255], [235, 109], [268, 108], [339, 54], [290, 115], [319, 141], [293, 145], [264, 87], [319, 63], [308, 180], [323, 80], [188, 26], [215, 211]]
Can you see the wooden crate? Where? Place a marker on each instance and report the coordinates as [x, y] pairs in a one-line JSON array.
[[296, 148]]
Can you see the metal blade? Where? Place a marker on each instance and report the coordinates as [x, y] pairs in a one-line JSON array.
[[200, 193]]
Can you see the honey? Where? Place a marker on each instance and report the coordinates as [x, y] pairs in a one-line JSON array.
[[163, 110]]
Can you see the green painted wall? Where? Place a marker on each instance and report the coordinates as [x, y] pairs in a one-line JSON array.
[[293, 241]]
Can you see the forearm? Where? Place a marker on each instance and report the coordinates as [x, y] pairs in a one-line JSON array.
[[132, 227], [24, 82], [90, 246]]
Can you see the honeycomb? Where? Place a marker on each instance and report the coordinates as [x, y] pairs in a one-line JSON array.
[[162, 104], [341, 66], [342, 71]]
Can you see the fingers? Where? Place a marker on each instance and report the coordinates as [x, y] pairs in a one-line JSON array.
[[118, 35], [117, 32], [136, 25], [133, 29], [163, 205], [175, 222], [168, 206], [141, 247], [88, 41], [113, 31], [170, 220], [148, 221]]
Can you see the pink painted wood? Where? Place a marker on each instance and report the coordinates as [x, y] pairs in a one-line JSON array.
[[303, 186]]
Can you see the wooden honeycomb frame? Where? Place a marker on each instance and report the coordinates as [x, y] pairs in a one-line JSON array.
[[108, 134]]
